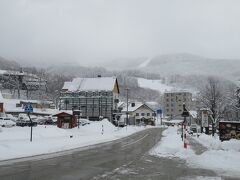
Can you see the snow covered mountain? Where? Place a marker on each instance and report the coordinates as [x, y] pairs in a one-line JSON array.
[[187, 64], [182, 64]]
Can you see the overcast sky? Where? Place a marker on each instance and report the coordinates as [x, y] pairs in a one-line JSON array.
[[97, 30]]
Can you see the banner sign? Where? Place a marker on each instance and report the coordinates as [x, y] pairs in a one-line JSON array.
[[204, 119]]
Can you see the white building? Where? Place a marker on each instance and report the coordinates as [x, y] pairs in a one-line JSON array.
[[140, 113]]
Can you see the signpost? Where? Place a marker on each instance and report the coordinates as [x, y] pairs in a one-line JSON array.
[[159, 113], [185, 114], [79, 114], [28, 110], [205, 121]]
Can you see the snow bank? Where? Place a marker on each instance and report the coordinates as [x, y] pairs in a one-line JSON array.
[[213, 143], [222, 157], [171, 145], [15, 142]]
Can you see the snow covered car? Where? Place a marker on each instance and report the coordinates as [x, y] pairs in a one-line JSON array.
[[6, 122], [23, 123], [84, 122], [13, 118], [193, 129], [23, 120]]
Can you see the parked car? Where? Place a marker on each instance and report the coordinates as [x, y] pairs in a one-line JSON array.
[[193, 129], [122, 121], [23, 123], [83, 122], [6, 122], [23, 120], [13, 118]]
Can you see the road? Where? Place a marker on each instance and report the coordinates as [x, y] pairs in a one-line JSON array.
[[125, 158]]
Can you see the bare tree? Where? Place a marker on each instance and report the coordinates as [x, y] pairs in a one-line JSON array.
[[212, 97]]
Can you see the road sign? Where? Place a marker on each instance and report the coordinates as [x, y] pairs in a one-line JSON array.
[[204, 119], [28, 108], [159, 111], [185, 112]]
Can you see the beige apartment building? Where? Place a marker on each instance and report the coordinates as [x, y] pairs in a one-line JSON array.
[[173, 102]]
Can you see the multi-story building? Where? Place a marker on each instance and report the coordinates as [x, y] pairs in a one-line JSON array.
[[173, 102], [95, 97]]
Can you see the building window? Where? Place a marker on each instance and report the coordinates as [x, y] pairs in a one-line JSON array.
[[137, 114], [148, 114], [167, 110], [142, 114]]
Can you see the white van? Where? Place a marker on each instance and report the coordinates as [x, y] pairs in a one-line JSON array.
[[122, 120]]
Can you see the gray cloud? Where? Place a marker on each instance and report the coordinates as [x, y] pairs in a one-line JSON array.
[[97, 30]]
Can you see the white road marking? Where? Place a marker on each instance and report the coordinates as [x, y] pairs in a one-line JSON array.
[[135, 141]]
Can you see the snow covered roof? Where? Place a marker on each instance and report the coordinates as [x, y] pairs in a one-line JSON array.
[[178, 91], [88, 84], [153, 105], [175, 121], [135, 107], [67, 85], [63, 111], [193, 113], [132, 108], [3, 71]]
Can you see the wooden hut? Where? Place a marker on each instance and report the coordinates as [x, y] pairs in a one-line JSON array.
[[66, 120]]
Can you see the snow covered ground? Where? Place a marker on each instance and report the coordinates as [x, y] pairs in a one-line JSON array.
[[15, 142], [154, 84], [158, 85], [222, 157]]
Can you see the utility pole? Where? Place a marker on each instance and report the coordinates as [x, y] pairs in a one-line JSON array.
[[127, 89], [238, 97]]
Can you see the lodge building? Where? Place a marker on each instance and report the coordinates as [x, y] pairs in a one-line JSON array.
[[95, 97]]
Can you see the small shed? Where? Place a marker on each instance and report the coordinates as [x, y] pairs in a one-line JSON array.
[[66, 120]]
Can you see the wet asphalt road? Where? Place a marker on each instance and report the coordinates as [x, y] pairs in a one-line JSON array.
[[84, 164], [126, 158]]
